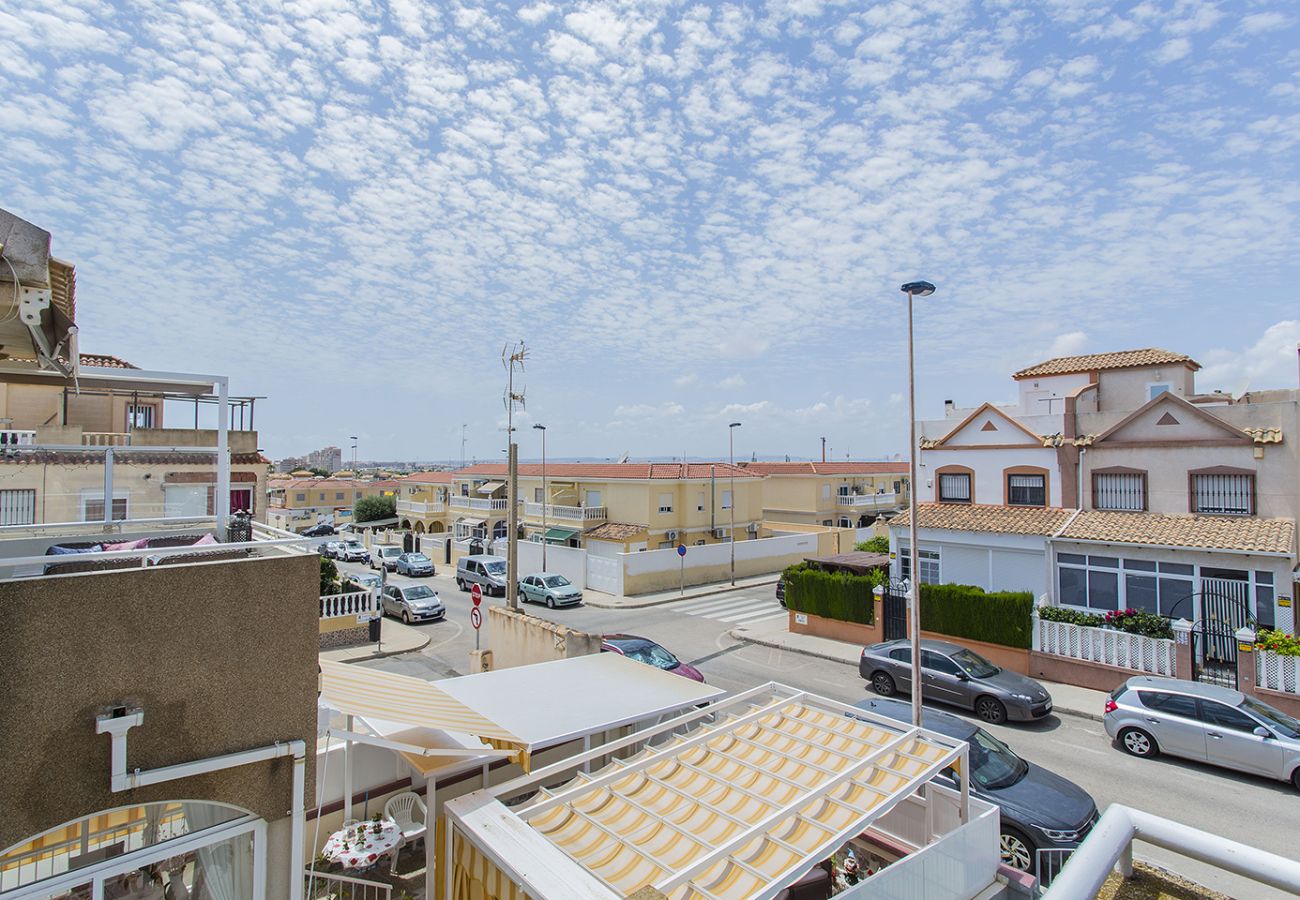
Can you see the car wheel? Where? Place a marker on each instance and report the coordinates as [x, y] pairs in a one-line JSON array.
[[883, 684], [1295, 779], [991, 710], [550, 602], [460, 584], [1016, 850], [406, 617], [1136, 742]]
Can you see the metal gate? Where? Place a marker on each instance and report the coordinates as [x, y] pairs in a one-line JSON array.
[[895, 611], [1224, 609]]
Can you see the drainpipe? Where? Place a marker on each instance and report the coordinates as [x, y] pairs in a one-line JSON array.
[[120, 721]]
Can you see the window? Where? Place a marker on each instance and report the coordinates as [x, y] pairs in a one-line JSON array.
[[902, 654], [593, 498], [954, 487], [1096, 583], [928, 561], [846, 522], [1223, 494], [726, 499], [338, 495], [301, 498], [537, 495], [322, 496], [828, 522], [464, 489], [665, 503], [699, 503], [1264, 599], [1169, 704], [665, 545], [1224, 716], [139, 416], [1155, 390], [92, 510], [18, 506], [700, 543], [1026, 490], [1119, 490], [939, 663]]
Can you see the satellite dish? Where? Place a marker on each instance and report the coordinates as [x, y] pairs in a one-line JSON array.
[[622, 459]]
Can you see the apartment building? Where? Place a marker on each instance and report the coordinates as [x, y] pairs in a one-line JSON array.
[[1112, 483], [298, 503], [634, 505], [422, 501], [840, 494]]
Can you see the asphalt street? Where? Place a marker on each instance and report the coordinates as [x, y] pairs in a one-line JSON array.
[[1251, 810]]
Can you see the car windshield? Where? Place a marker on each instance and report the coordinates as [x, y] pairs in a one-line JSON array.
[[556, 581], [419, 592], [1288, 726], [354, 545], [417, 558], [495, 568], [651, 654], [992, 763], [391, 551], [974, 665]]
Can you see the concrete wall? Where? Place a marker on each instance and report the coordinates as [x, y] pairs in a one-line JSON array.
[[518, 639], [571, 562], [989, 466], [221, 656], [994, 562], [1012, 658], [660, 570]]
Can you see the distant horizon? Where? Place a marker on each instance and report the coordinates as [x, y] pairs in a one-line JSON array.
[[455, 463]]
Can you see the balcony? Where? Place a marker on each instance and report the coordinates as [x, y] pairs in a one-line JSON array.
[[420, 507], [868, 502], [579, 514], [15, 437], [479, 503]]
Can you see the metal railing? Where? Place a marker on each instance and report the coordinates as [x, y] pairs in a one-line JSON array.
[[13, 437], [478, 503], [1276, 672], [353, 603], [332, 886], [567, 513], [1107, 646]]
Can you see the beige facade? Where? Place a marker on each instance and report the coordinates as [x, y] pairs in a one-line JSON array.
[[422, 502], [297, 503], [840, 495]]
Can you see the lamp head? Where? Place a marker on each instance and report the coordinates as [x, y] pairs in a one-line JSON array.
[[734, 425], [540, 427], [918, 288]]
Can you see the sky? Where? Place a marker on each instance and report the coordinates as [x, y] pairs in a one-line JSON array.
[[691, 213]]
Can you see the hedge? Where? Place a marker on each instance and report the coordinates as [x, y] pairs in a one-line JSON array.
[[832, 595], [964, 610]]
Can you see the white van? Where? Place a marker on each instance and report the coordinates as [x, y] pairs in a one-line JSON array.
[[385, 556], [487, 571]]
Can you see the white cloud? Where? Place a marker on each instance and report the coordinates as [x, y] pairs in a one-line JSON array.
[[732, 382], [1271, 362], [1258, 23], [664, 410], [682, 381], [1172, 50], [1068, 344]]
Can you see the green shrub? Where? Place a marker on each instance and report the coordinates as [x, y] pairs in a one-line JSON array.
[[878, 544], [1070, 616], [371, 509], [966, 611], [329, 577], [831, 595], [1277, 642]]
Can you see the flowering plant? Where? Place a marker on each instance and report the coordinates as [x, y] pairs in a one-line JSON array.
[[1277, 642], [1137, 622]]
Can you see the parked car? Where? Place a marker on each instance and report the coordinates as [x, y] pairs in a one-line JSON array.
[[955, 674], [549, 588], [324, 529], [780, 590], [414, 564], [489, 572], [386, 557], [1147, 716], [1039, 808], [647, 651], [330, 549], [362, 582], [413, 602], [353, 551]]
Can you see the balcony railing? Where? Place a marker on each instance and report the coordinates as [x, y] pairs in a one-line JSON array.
[[11, 437], [478, 503], [867, 501], [362, 605], [566, 513], [106, 438], [419, 507]]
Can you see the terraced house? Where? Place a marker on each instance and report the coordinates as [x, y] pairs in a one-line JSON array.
[[1112, 483], [422, 502], [840, 494]]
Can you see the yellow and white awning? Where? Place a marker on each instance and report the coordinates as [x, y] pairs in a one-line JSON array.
[[361, 691]]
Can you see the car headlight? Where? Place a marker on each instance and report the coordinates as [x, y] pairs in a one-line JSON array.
[[1025, 697], [1059, 835]]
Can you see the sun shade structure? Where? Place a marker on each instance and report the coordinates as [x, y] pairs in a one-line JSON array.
[[560, 534], [767, 784]]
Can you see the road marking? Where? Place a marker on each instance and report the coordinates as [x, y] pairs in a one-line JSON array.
[[697, 609], [735, 610]]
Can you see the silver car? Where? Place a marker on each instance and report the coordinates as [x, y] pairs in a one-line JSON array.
[[413, 602], [549, 588], [958, 675], [1211, 724]]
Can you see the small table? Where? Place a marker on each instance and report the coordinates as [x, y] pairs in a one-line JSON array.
[[363, 846]]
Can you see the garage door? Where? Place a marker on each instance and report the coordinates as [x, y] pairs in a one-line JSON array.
[[605, 573]]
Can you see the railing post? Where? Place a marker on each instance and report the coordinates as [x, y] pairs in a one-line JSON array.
[[1036, 624]]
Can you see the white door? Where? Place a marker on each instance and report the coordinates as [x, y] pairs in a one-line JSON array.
[[185, 500], [605, 573]]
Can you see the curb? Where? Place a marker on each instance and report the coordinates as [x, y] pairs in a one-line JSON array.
[[739, 635], [383, 654], [724, 589]]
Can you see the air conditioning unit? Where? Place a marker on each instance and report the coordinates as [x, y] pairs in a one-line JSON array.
[[670, 536], [753, 528], [719, 533]]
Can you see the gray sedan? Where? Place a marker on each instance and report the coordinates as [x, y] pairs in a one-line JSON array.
[[955, 674], [549, 588], [413, 602]]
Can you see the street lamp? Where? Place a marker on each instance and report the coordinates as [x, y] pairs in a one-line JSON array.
[[353, 438], [913, 289], [546, 497], [731, 442]]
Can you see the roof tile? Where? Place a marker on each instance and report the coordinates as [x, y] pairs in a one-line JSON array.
[[1119, 359], [1244, 533], [827, 468], [988, 518]]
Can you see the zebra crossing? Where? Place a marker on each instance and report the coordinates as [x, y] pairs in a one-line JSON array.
[[732, 609]]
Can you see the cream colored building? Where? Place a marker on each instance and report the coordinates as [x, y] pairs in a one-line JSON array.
[[837, 494], [298, 503], [422, 501]]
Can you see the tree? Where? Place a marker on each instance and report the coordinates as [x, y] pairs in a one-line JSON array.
[[877, 544], [370, 509], [323, 473], [329, 577]]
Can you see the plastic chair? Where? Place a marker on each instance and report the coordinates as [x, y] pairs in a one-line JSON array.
[[400, 809]]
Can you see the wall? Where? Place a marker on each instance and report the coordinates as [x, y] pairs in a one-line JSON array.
[[988, 466], [571, 562], [1126, 389], [659, 570], [994, 562], [518, 639], [221, 656], [1012, 658]]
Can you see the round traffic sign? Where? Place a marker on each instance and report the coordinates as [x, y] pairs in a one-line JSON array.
[[476, 617], [476, 594], [681, 549]]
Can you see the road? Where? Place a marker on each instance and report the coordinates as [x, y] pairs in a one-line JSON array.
[[1252, 810]]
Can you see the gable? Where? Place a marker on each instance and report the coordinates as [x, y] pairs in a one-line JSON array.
[[990, 426], [1170, 419]]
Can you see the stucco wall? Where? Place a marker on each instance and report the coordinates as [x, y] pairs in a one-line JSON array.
[[518, 639], [221, 657]]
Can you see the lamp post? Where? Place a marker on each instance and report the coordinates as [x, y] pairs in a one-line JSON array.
[[353, 438], [913, 289], [546, 497], [731, 444]]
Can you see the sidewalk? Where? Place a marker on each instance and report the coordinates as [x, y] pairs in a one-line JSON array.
[[601, 600], [395, 638], [1067, 699]]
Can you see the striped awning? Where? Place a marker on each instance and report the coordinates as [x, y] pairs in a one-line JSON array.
[[362, 691], [491, 487]]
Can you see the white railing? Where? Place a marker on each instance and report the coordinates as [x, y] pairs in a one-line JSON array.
[[567, 513], [105, 438], [419, 507], [1154, 656], [1277, 673], [868, 501], [478, 503], [349, 605], [11, 437], [332, 886]]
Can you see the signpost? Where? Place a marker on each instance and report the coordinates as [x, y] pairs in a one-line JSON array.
[[475, 614], [681, 556]]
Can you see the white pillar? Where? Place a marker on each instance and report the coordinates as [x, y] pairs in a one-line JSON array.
[[297, 856], [430, 836], [259, 862], [221, 506], [108, 484], [347, 773]]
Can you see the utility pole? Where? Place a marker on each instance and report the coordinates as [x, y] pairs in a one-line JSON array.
[[823, 449], [511, 357], [731, 444], [462, 445], [546, 495]]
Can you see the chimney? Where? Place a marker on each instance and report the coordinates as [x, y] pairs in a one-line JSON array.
[[947, 408]]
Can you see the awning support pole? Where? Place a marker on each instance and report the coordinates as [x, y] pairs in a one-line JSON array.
[[430, 836], [347, 774]]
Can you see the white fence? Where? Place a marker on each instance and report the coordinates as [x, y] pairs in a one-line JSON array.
[[666, 560], [333, 886], [353, 603], [571, 562], [1154, 656], [1277, 673]]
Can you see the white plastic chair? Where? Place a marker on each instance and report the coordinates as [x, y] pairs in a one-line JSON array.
[[401, 810]]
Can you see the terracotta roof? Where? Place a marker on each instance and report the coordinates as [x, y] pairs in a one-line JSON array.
[[104, 361], [327, 483], [384, 484], [1264, 435], [827, 468], [1119, 359], [981, 517], [615, 531], [603, 471], [1244, 533], [431, 477]]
